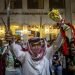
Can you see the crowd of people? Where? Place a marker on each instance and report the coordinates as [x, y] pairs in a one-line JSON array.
[[38, 56]]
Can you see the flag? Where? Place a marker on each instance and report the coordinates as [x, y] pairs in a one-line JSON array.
[[66, 42]]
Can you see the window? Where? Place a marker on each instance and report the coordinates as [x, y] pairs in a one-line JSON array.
[[60, 4], [14, 4], [35, 4]]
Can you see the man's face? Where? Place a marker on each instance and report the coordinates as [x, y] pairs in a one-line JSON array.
[[35, 47]]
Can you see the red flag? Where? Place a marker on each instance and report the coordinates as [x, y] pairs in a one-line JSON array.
[[65, 44]]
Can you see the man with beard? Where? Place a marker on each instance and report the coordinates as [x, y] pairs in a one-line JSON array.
[[35, 61]]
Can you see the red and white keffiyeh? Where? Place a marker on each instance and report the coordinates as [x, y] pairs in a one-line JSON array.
[[38, 52]]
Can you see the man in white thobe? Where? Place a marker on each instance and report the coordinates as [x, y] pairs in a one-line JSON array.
[[35, 61], [33, 65]]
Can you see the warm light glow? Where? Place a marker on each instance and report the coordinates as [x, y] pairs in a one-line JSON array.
[[53, 31], [35, 28], [2, 31], [47, 30], [14, 28], [50, 30], [25, 30]]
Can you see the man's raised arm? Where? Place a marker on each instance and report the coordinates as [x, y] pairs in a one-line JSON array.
[[17, 51]]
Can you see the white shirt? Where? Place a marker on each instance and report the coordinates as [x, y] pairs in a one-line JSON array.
[[30, 67]]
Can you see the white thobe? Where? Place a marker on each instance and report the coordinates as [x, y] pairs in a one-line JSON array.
[[30, 67]]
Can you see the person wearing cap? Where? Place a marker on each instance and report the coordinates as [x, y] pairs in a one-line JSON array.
[[35, 61]]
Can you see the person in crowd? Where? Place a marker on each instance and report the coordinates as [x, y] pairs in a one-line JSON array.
[[24, 45], [2, 58], [57, 64], [42, 42], [71, 59], [35, 61], [13, 63], [63, 62]]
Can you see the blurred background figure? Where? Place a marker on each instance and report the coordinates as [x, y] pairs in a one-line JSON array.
[[24, 45], [2, 58], [13, 64], [42, 42], [71, 59], [57, 64]]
